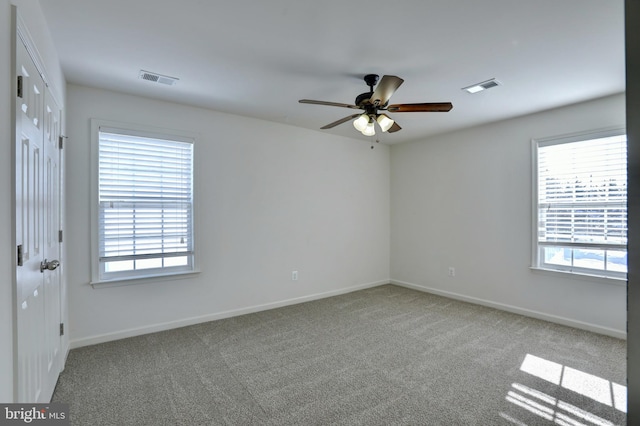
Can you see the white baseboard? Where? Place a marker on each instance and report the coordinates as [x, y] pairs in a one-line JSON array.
[[517, 310], [153, 328]]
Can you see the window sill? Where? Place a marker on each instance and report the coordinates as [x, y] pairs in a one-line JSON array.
[[580, 276], [144, 279]]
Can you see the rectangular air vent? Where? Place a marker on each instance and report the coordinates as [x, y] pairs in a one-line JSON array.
[[158, 78], [479, 87]]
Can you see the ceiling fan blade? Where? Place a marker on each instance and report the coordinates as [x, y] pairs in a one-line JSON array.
[[394, 128], [342, 120], [424, 107], [387, 87], [311, 101]]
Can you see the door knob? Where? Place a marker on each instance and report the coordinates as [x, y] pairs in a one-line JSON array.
[[50, 265]]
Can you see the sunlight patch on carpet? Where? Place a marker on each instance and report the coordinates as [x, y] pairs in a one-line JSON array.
[[593, 387]]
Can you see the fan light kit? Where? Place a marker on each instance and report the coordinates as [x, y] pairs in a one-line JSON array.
[[364, 124], [385, 122], [361, 122], [373, 101]]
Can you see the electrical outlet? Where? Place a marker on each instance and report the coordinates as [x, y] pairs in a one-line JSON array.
[[294, 276], [452, 271]]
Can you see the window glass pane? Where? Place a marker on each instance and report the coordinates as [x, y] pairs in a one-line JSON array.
[[123, 265], [617, 260], [148, 263], [557, 256], [176, 261], [589, 259]]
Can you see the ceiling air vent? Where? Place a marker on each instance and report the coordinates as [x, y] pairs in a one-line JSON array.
[[157, 78], [479, 87]]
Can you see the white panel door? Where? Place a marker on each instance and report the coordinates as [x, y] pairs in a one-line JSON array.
[[51, 228], [29, 203], [37, 189]]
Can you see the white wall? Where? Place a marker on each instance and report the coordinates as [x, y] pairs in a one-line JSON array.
[[464, 200], [273, 199], [32, 16]]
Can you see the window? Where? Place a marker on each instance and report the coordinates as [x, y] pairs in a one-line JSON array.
[[581, 214], [143, 213]]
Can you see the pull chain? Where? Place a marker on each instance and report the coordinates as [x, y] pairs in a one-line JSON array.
[[377, 141]]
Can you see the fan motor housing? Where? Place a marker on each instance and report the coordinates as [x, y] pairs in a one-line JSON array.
[[362, 98]]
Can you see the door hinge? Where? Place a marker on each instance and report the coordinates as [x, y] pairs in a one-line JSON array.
[[62, 329], [60, 139], [19, 86], [20, 256], [60, 236]]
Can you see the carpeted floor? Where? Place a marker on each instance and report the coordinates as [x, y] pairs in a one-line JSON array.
[[382, 356]]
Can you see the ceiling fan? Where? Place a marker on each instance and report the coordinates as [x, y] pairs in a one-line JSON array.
[[375, 101]]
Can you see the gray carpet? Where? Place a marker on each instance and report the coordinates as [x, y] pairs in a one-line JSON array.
[[382, 356]]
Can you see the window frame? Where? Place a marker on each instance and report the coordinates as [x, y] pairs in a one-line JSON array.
[[141, 275], [537, 262]]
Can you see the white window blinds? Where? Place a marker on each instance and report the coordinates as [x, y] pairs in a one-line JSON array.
[[582, 203], [145, 215]]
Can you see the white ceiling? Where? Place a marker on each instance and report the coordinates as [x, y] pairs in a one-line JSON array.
[[258, 58]]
